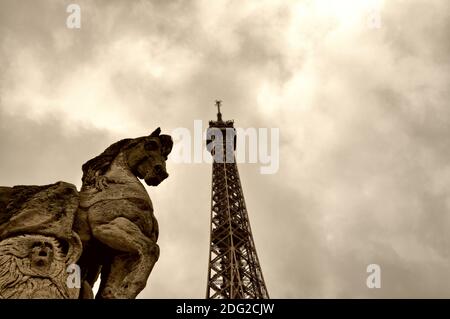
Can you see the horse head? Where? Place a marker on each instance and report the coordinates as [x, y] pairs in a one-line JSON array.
[[147, 158]]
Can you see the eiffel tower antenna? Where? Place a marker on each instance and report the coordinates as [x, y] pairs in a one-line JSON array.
[[219, 115]]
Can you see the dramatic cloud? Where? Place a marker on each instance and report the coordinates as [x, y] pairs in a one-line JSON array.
[[359, 90]]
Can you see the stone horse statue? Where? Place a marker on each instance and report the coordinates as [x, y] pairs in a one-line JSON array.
[[110, 221], [115, 217]]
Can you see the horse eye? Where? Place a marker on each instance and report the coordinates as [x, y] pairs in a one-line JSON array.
[[151, 146]]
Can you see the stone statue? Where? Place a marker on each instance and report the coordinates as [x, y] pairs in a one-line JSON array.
[[107, 228], [37, 242], [116, 214], [33, 266]]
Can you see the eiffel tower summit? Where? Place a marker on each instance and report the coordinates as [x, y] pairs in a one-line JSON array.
[[234, 271]]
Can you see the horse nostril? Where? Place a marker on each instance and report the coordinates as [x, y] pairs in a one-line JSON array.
[[158, 169]]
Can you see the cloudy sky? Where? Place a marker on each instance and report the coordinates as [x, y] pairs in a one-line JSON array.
[[359, 90]]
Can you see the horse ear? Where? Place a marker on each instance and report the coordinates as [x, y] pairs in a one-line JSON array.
[[156, 132]]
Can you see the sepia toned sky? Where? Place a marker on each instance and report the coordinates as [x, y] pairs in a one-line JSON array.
[[362, 105]]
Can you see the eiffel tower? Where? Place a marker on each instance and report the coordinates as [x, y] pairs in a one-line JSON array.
[[234, 271]]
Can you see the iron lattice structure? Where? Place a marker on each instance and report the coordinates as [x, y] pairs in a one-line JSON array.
[[234, 271]]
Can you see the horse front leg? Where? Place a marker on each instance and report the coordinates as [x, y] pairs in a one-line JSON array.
[[134, 261]]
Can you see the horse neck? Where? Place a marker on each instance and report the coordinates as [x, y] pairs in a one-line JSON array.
[[120, 169]]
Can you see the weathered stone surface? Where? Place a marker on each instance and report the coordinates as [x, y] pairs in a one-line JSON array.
[[117, 211], [37, 242], [110, 224], [34, 266], [45, 210]]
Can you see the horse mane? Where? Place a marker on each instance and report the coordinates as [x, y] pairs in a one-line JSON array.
[[101, 163]]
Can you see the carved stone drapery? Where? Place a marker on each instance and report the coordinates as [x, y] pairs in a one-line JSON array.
[[37, 244]]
